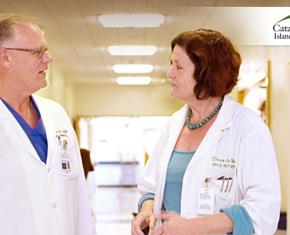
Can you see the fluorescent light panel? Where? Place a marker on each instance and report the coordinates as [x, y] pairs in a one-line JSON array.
[[133, 80], [132, 50], [131, 20], [133, 68]]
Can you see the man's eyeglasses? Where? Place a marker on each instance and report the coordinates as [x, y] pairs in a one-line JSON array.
[[39, 52]]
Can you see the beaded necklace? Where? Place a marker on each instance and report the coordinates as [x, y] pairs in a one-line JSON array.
[[201, 123]]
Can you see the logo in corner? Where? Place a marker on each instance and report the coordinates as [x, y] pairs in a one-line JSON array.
[[282, 28]]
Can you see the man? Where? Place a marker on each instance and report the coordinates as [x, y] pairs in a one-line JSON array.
[[42, 185]]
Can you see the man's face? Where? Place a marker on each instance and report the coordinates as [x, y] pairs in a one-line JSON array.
[[29, 58]]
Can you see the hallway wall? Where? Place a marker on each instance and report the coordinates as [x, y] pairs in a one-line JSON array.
[[59, 89], [101, 100]]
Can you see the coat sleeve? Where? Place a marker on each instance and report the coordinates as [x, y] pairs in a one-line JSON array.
[[85, 221], [259, 181]]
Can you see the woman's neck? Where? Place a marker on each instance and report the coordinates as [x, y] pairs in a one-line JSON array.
[[202, 108]]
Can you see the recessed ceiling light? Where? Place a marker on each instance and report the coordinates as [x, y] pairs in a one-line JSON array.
[[133, 80], [131, 20], [133, 68], [132, 50]]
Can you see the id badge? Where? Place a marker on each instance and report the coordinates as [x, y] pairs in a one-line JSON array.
[[65, 152], [205, 201], [66, 162]]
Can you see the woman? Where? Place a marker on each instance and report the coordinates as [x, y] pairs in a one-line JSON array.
[[210, 171]]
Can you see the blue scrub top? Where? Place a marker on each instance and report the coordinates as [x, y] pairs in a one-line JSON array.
[[36, 135]]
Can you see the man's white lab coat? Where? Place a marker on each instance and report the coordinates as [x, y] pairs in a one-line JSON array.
[[38, 198]]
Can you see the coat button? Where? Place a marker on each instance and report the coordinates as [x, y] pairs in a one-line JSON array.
[[54, 205]]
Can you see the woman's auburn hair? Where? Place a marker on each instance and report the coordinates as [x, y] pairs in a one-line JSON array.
[[216, 61]]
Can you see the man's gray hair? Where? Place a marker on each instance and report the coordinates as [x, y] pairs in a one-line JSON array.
[[9, 20]]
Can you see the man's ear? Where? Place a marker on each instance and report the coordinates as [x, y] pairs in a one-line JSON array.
[[5, 58]]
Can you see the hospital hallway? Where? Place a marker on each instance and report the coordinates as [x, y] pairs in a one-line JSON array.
[[112, 204], [113, 207]]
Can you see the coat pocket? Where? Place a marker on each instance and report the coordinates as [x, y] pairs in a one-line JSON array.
[[223, 189]]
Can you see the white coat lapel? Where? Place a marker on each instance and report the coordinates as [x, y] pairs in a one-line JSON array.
[[12, 129], [176, 125], [215, 132], [49, 128]]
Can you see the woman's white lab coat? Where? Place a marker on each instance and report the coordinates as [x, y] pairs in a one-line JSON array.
[[38, 198], [239, 146]]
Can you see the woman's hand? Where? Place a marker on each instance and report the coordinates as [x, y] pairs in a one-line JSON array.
[[143, 219], [174, 224]]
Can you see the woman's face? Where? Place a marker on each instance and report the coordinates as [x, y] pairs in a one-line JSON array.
[[180, 73]]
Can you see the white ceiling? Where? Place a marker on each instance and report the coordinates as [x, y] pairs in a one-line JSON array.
[[78, 42]]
